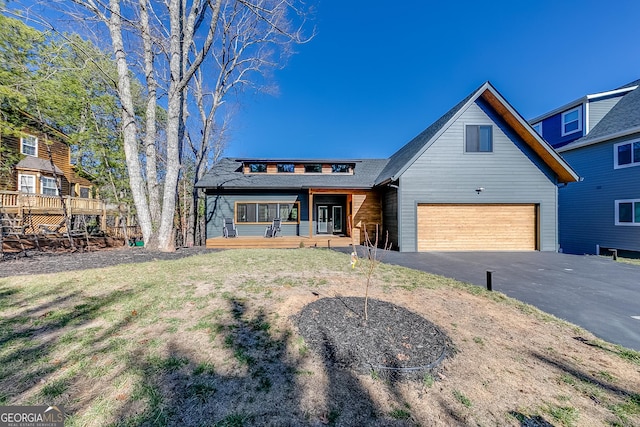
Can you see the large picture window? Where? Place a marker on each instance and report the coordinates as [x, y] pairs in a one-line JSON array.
[[626, 154], [628, 212], [478, 139], [266, 212]]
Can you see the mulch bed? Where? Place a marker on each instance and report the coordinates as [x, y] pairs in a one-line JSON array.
[[41, 262], [394, 342]]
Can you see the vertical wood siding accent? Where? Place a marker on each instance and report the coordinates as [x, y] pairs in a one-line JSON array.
[[446, 174], [598, 109], [367, 211], [587, 208]]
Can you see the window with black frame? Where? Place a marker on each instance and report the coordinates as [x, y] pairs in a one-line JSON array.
[[266, 212]]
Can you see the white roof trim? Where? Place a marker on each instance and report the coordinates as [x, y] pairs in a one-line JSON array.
[[611, 92], [582, 100], [608, 137]]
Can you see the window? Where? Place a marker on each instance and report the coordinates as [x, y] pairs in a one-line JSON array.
[[27, 183], [29, 145], [266, 212], [257, 167], [478, 139], [572, 121], [626, 154], [340, 168], [628, 212], [538, 128], [48, 186], [313, 168], [286, 167], [84, 192]]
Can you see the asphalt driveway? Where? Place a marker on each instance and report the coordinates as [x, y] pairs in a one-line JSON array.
[[596, 293]]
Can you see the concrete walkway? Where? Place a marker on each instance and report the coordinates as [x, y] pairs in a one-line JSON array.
[[596, 293]]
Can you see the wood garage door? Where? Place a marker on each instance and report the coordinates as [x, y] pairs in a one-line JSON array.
[[495, 227]]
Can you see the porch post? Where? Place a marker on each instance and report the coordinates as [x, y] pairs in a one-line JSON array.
[[103, 220], [310, 213]]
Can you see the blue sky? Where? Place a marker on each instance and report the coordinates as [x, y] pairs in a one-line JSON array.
[[380, 72]]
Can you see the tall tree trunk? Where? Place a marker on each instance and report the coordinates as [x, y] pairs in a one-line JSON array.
[[175, 129], [150, 118], [129, 129]]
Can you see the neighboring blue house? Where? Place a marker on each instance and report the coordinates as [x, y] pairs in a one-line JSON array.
[[479, 178], [599, 136]]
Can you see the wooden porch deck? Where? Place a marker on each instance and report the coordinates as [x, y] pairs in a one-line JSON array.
[[281, 242]]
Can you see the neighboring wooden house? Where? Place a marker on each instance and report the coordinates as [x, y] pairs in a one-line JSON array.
[[30, 195], [479, 178], [603, 210]]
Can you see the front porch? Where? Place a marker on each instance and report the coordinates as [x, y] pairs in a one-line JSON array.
[[280, 242], [26, 213]]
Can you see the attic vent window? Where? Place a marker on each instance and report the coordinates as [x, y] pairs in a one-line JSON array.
[[340, 168], [313, 168], [286, 167], [478, 139], [257, 167]]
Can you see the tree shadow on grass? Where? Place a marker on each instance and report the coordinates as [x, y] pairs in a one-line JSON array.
[[29, 337], [177, 390], [583, 376]]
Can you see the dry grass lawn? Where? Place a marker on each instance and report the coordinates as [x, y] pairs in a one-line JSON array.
[[209, 340]]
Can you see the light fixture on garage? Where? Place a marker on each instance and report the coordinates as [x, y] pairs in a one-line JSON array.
[[479, 190]]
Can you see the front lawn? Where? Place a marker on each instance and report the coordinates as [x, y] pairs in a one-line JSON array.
[[210, 340]]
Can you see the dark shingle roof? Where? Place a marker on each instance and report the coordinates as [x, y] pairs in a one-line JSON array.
[[227, 173], [368, 173], [36, 163], [625, 115], [401, 158]]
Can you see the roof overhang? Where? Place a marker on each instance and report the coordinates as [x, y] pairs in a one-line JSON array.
[[563, 171], [608, 137], [579, 101]]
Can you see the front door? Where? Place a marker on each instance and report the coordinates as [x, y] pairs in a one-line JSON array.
[[337, 219], [323, 219]]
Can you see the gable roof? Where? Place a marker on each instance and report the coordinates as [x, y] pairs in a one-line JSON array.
[[621, 91], [407, 155], [623, 119], [228, 174]]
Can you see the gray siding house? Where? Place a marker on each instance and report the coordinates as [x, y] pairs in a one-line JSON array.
[[603, 210], [479, 178]]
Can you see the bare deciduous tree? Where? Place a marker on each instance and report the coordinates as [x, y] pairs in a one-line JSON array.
[[184, 31], [253, 39]]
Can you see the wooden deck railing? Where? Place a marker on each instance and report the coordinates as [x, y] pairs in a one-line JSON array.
[[14, 201]]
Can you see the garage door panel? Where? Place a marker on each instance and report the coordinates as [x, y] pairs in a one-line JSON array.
[[482, 227]]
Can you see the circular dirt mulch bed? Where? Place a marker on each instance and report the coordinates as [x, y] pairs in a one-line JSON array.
[[394, 342]]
